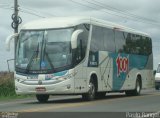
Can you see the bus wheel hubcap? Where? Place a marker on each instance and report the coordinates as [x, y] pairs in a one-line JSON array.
[[91, 90], [138, 87]]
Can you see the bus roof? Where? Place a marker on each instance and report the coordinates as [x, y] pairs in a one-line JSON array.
[[63, 22]]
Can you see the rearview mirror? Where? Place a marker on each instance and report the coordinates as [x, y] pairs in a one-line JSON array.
[[75, 37], [8, 40]]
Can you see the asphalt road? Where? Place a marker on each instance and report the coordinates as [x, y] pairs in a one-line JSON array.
[[148, 101]]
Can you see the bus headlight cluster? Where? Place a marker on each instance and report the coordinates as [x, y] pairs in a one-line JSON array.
[[18, 79], [68, 76]]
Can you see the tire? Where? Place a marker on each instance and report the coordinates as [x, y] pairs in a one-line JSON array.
[[128, 93], [42, 98], [100, 95], [136, 91], [157, 87], [90, 95]]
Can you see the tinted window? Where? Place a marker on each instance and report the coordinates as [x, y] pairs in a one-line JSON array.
[[83, 40], [102, 39], [109, 43], [137, 44], [97, 40], [120, 40], [79, 53]]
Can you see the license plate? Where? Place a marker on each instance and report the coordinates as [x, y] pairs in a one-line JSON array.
[[40, 89]]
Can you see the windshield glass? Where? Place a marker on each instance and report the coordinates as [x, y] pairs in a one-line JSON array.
[[44, 50]]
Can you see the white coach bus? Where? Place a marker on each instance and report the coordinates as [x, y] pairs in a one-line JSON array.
[[81, 56]]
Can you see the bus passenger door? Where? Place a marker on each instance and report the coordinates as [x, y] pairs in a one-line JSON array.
[[80, 81]]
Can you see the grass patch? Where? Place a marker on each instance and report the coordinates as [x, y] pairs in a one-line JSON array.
[[7, 87], [6, 98]]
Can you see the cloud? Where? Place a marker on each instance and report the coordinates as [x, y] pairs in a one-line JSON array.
[[50, 8]]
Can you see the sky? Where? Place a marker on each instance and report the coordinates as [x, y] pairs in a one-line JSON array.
[[142, 15]]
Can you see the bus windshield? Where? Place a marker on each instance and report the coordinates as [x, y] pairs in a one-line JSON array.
[[45, 50]]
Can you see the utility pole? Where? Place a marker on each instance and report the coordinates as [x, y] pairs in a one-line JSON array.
[[15, 27], [16, 21]]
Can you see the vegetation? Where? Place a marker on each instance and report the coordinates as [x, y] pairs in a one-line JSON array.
[[7, 87]]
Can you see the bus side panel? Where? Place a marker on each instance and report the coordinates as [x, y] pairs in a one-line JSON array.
[[80, 79], [106, 70], [118, 71], [148, 77], [126, 67]]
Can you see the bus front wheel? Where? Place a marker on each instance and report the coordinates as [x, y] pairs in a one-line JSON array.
[[90, 95], [42, 98]]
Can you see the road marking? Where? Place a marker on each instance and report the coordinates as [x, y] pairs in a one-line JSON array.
[[70, 105], [28, 100], [126, 98], [53, 107], [15, 102]]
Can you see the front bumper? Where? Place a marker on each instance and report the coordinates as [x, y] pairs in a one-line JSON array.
[[64, 87]]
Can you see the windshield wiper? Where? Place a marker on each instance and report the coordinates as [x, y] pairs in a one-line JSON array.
[[33, 56], [49, 60]]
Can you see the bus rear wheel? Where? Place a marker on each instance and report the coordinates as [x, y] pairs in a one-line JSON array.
[[100, 95], [90, 95], [136, 91], [42, 98]]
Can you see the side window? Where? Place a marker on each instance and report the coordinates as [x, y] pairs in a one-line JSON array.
[[102, 39], [140, 45], [132, 46], [148, 45], [109, 42], [82, 42], [120, 41], [97, 40]]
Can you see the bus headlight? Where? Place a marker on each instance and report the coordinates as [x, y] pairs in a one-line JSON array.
[[18, 79], [63, 78]]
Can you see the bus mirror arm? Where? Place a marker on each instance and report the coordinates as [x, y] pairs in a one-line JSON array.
[[75, 37], [8, 40]]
